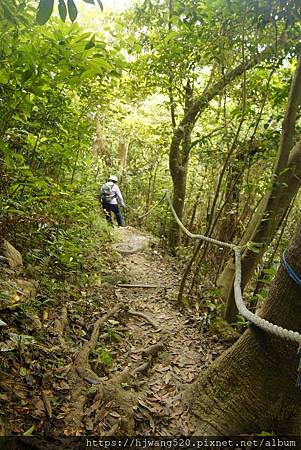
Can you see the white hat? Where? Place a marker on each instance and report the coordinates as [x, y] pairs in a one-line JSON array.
[[113, 178]]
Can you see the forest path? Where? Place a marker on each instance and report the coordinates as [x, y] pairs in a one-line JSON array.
[[186, 350], [59, 393]]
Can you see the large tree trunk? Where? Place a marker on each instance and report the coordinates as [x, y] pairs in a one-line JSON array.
[[285, 184], [251, 387], [262, 229], [178, 161]]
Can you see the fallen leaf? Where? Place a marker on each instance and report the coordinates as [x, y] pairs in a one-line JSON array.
[[29, 431], [22, 409], [4, 396], [167, 378], [46, 400], [23, 371], [114, 414]]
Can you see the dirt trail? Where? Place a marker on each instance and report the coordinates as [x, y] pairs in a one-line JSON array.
[[159, 411], [82, 376]]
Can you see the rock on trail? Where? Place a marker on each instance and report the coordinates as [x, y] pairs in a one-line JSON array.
[[130, 241]]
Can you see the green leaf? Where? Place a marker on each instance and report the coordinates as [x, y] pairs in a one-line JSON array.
[[91, 43], [62, 10], [89, 73], [27, 74], [72, 10], [44, 11], [254, 246], [100, 4], [29, 431], [90, 1], [104, 358], [35, 90], [8, 13], [23, 371], [4, 77], [101, 64], [13, 211]]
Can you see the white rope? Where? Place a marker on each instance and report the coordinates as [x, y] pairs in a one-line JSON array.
[[153, 207], [242, 309]]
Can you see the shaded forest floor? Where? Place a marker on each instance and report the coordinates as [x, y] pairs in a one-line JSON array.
[[126, 380]]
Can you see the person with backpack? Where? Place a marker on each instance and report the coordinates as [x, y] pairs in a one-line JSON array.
[[110, 195]]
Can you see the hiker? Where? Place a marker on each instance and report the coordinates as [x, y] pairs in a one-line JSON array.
[[109, 197]]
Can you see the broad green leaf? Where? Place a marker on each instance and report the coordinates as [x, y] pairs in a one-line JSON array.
[[29, 431], [100, 63], [104, 358], [4, 77], [89, 73], [96, 67], [27, 74], [3, 145], [44, 11], [90, 1], [62, 10], [35, 90], [72, 10], [171, 35], [90, 44]]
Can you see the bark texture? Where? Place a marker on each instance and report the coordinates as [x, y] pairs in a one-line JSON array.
[[180, 145], [251, 387], [263, 226], [286, 180]]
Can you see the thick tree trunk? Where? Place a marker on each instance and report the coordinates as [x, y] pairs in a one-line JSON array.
[[285, 184], [262, 229], [178, 161], [251, 387], [178, 170]]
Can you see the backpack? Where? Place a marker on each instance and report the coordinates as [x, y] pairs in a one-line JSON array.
[[106, 192]]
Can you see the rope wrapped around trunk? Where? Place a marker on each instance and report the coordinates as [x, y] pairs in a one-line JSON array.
[[242, 309]]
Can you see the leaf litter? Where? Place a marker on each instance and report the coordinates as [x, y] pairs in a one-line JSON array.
[[40, 401]]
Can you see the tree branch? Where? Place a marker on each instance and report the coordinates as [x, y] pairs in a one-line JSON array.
[[288, 124]]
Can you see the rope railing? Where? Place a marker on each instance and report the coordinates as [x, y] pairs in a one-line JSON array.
[[242, 309], [153, 207]]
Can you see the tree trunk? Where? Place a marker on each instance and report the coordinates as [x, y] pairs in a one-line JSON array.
[[285, 184], [178, 162], [178, 171], [123, 151], [264, 226], [251, 387]]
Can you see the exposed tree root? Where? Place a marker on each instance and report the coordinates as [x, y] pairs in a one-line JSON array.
[[59, 326], [82, 372], [143, 286], [82, 364], [143, 368], [153, 349], [111, 392], [153, 323], [125, 400]]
